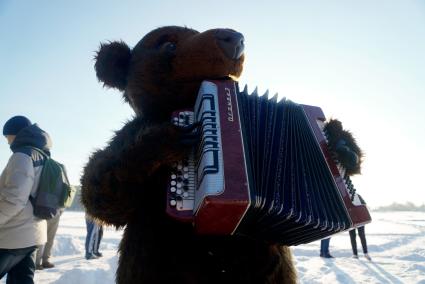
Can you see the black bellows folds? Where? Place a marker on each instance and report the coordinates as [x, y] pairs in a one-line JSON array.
[[294, 199]]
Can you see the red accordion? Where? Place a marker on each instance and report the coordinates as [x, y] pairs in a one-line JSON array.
[[262, 169]]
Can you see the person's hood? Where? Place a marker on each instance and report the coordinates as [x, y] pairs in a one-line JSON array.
[[32, 136]]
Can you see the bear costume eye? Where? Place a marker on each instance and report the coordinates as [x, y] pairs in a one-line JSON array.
[[169, 46]]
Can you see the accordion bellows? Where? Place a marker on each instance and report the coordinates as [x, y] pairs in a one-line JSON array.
[[262, 170]]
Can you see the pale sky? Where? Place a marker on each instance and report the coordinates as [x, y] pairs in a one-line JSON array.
[[361, 61]]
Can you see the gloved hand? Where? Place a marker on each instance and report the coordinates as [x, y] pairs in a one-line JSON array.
[[347, 157]]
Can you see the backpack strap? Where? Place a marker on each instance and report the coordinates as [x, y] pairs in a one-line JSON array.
[[36, 162], [37, 156], [38, 150]]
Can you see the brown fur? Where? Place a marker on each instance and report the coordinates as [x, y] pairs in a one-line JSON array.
[[124, 184]]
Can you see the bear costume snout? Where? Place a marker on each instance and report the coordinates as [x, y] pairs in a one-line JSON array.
[[231, 42]]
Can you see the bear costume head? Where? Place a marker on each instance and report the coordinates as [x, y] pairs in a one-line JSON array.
[[164, 70]]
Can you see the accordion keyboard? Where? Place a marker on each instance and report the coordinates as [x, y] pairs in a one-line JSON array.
[[201, 174], [182, 180], [209, 155]]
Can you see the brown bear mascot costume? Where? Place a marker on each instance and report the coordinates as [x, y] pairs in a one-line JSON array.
[[125, 184]]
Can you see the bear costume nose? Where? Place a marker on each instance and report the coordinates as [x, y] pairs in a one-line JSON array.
[[231, 43]]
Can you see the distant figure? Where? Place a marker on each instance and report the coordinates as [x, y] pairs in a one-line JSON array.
[[42, 259], [20, 231], [93, 238], [324, 248], [362, 235]]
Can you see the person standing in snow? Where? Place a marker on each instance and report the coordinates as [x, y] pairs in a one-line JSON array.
[[20, 231], [324, 248], [93, 238], [43, 255], [362, 235]]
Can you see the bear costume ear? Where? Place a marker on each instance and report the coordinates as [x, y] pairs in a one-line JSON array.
[[112, 63]]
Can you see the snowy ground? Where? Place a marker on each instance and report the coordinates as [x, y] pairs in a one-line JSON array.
[[396, 244]]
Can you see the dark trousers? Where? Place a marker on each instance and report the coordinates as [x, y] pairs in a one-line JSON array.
[[94, 236], [18, 264], [324, 246], [362, 236]]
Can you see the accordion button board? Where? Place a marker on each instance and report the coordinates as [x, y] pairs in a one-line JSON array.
[[181, 188], [262, 169]]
